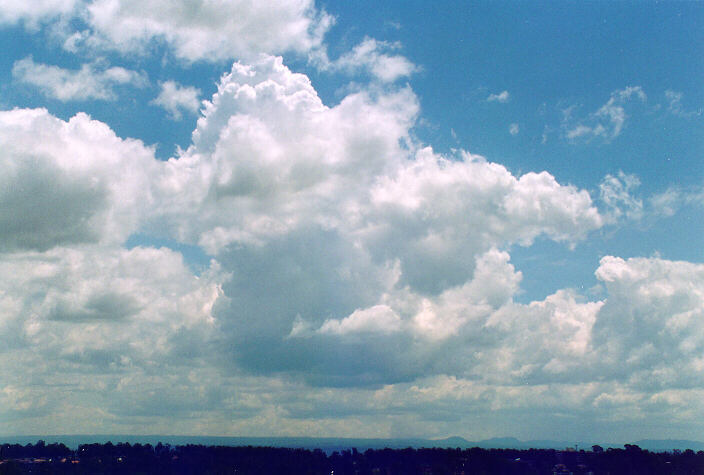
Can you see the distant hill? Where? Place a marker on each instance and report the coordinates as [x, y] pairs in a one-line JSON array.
[[330, 444]]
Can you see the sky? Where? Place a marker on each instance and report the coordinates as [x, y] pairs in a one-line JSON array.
[[352, 219]]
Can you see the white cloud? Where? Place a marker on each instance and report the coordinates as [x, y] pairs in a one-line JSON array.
[[408, 334], [618, 195], [210, 31], [666, 203], [466, 308], [197, 31], [674, 106], [363, 281], [671, 200], [513, 129], [73, 301], [379, 318], [326, 203], [437, 213], [103, 316], [89, 82], [650, 329], [69, 182], [502, 97], [616, 192], [432, 319], [675, 101], [583, 130], [33, 13], [98, 290], [608, 121], [175, 98], [373, 56], [616, 357], [587, 358], [268, 157]]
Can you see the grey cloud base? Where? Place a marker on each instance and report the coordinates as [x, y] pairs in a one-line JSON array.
[[360, 284]]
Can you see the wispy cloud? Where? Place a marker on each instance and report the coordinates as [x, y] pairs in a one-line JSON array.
[[616, 192], [618, 195], [502, 97], [608, 121], [675, 106], [91, 81], [371, 55], [671, 200], [32, 14], [175, 99]]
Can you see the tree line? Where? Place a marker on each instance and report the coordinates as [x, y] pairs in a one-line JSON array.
[[137, 458]]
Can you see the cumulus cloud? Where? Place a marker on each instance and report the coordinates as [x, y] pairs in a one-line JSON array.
[[268, 157], [360, 280], [343, 169], [201, 31], [32, 14], [432, 318], [101, 313], [325, 217], [373, 56], [513, 129], [387, 273], [88, 294], [73, 300], [69, 182], [437, 214], [210, 31], [502, 97], [613, 359], [175, 99], [608, 121], [379, 318], [89, 82], [650, 328]]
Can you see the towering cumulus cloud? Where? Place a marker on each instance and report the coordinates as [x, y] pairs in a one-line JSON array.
[[335, 223]]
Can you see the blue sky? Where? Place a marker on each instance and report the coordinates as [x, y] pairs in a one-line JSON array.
[[348, 219]]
